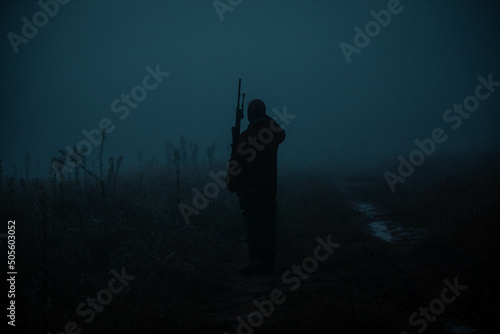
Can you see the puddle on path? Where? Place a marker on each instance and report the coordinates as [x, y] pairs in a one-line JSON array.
[[386, 230], [393, 232], [457, 329]]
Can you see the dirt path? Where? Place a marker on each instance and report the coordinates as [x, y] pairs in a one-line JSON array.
[[232, 299], [234, 296]]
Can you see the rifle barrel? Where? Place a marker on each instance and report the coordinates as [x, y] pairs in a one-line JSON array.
[[239, 115]]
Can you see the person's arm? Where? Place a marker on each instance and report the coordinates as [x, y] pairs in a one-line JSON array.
[[278, 131]]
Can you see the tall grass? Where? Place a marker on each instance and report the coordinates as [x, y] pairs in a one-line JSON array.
[[76, 229]]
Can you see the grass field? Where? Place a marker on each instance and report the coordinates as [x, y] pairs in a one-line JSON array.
[[71, 235]]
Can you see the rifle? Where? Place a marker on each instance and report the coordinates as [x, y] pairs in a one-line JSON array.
[[235, 130]]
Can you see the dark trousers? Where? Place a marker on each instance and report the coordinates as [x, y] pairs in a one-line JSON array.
[[260, 228]]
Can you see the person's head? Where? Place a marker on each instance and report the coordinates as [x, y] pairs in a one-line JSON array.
[[256, 110]]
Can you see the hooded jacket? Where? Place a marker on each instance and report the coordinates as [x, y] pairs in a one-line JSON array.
[[255, 158]]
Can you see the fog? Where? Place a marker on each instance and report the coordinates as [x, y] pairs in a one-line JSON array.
[[359, 109], [385, 198]]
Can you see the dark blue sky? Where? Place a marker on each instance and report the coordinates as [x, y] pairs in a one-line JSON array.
[[394, 91]]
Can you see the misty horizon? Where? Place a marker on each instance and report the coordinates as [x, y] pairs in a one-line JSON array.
[[365, 112]]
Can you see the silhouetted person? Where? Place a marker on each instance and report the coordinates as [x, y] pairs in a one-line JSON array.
[[252, 174]]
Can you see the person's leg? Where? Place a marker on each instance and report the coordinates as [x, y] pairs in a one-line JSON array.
[[253, 219], [260, 229], [269, 233]]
